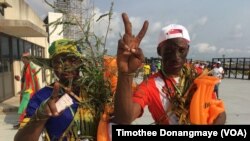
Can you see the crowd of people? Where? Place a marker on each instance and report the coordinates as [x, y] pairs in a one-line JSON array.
[[58, 110]]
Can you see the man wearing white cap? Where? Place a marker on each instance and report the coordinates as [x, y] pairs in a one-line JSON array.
[[164, 91], [218, 72]]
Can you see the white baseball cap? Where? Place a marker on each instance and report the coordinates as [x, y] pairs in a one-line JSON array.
[[218, 62], [173, 31]]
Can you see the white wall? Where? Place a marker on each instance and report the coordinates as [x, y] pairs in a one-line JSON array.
[[54, 31]]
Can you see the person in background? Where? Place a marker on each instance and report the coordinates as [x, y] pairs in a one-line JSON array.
[[158, 65], [153, 68], [146, 71], [29, 86], [163, 91], [218, 72]]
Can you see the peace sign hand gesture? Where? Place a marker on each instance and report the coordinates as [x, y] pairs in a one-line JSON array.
[[129, 55]]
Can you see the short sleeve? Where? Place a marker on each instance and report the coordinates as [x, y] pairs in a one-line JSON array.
[[37, 99]]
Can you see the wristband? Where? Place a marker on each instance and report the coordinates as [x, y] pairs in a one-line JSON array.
[[127, 74], [40, 114]]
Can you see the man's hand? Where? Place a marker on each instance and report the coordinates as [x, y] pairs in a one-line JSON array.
[[17, 77], [129, 55], [49, 108], [221, 119]]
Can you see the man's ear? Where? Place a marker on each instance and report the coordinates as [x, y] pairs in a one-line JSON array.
[[159, 51], [188, 49]]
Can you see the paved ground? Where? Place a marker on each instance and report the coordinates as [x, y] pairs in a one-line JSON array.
[[6, 122], [235, 93]]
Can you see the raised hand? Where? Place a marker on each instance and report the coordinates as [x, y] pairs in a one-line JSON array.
[[55, 105], [48, 108], [129, 56], [17, 77]]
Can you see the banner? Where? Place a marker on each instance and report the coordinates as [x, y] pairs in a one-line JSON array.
[[186, 132]]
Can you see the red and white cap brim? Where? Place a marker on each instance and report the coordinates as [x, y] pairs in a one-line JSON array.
[[173, 31]]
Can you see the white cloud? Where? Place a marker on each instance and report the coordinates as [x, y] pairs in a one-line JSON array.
[[202, 21], [101, 26], [248, 49], [148, 43], [236, 32], [229, 51], [204, 48], [198, 23], [193, 36], [155, 27]]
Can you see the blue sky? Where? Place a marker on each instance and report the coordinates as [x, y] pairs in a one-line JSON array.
[[216, 27]]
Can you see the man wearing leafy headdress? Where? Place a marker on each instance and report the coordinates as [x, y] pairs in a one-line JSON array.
[[70, 108]]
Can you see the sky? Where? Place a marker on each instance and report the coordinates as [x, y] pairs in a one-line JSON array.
[[217, 27]]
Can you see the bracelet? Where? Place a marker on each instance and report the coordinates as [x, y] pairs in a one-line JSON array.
[[127, 74], [37, 118], [41, 112]]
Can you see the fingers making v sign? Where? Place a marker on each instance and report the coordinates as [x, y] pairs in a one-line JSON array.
[[129, 54]]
